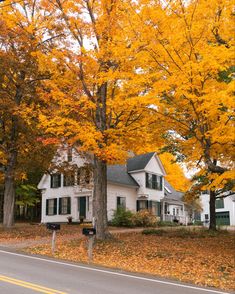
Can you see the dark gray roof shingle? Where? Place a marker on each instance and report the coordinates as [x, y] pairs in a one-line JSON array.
[[118, 174], [139, 162], [174, 195]]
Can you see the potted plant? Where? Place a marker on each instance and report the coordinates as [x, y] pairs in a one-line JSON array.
[[69, 218]]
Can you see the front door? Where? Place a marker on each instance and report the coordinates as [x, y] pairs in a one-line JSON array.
[[82, 207]]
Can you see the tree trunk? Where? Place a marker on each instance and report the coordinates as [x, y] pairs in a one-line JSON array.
[[212, 211], [9, 193], [100, 198]]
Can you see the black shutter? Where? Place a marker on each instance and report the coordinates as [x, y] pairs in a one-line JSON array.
[[159, 209], [118, 202], [161, 183], [60, 205], [55, 206], [59, 180], [51, 181], [137, 205], [146, 180], [47, 205], [69, 205]]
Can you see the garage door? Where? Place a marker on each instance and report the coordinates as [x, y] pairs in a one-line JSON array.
[[222, 218]]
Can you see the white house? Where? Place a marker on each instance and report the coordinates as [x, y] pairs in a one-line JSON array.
[[225, 210], [137, 185]]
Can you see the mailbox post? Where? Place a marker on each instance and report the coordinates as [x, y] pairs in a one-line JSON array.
[[90, 233], [53, 227]]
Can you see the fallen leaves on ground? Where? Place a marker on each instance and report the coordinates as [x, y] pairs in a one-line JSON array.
[[196, 257]]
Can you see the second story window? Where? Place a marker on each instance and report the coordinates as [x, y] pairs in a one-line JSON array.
[[55, 180], [70, 154], [219, 203], [153, 181], [69, 179]]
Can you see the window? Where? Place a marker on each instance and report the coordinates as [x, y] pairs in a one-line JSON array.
[[173, 211], [51, 206], [142, 204], [87, 176], [70, 154], [78, 176], [206, 216], [219, 203], [155, 207], [69, 179], [55, 180], [65, 205], [121, 202], [153, 181]]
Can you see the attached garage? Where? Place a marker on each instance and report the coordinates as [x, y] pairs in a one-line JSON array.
[[222, 218]]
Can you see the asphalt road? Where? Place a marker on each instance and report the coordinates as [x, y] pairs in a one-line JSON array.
[[26, 274]]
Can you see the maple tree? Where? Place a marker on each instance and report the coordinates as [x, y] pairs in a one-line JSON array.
[[174, 172], [24, 32], [186, 52], [96, 95]]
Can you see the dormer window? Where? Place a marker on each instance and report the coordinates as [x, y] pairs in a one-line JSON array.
[[153, 181]]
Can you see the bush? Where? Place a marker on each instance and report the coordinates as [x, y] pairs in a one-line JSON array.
[[144, 218], [122, 218], [198, 223], [153, 232], [166, 224]]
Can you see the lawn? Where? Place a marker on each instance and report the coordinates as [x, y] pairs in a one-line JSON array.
[[198, 257]]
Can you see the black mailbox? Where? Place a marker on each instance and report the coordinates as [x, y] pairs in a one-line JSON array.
[[53, 227], [89, 231]]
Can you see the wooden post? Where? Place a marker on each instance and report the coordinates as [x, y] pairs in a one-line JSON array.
[[90, 248], [53, 241]]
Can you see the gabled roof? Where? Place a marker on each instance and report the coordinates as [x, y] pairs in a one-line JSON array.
[[118, 174], [173, 194], [139, 162]]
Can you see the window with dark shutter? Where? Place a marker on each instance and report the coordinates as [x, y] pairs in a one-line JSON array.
[[153, 181], [69, 179], [51, 206], [121, 202], [55, 180], [65, 205]]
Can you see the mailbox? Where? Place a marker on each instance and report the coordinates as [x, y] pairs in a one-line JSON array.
[[53, 227], [89, 231]]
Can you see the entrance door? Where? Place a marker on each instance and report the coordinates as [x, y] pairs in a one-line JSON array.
[[82, 207]]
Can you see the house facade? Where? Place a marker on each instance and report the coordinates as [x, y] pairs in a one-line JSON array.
[[137, 185], [225, 210]]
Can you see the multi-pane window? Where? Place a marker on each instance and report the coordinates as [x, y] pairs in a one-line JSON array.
[[55, 180], [142, 204], [83, 176], [121, 202], [219, 203], [65, 205], [51, 206], [153, 181], [69, 179]]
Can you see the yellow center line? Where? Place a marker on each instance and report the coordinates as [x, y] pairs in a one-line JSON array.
[[28, 285]]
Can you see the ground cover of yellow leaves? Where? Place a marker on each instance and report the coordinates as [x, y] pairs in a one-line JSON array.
[[24, 232], [197, 257]]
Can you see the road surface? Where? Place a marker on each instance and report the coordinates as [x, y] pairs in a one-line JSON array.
[[27, 274]]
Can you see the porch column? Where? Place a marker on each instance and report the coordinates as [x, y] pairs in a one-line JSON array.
[[163, 210]]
